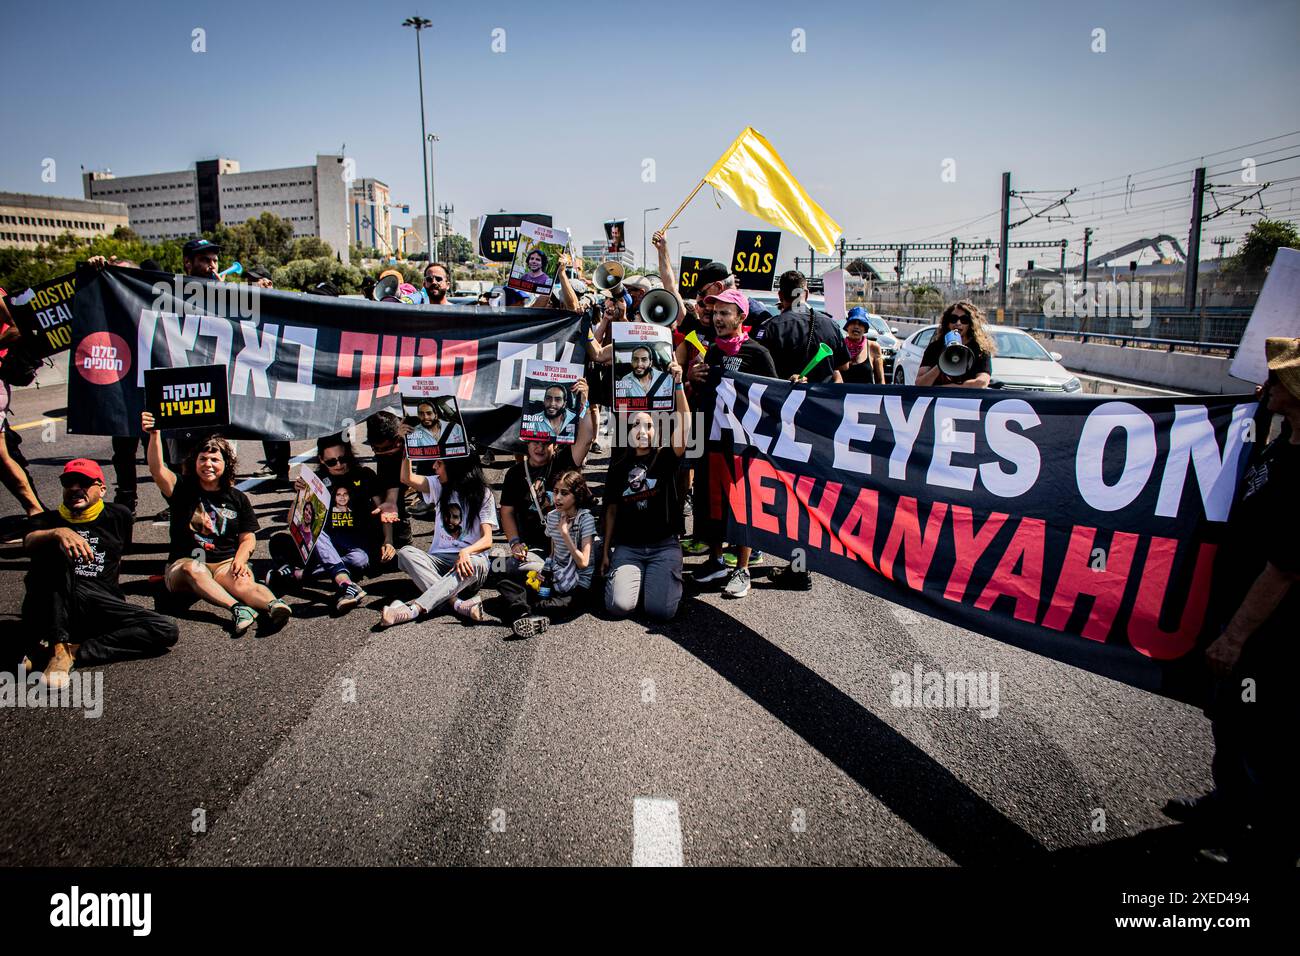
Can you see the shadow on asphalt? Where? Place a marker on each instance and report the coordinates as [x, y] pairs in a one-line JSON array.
[[902, 776]]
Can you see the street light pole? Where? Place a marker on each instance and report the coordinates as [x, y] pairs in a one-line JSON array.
[[420, 23], [684, 242], [645, 261], [433, 186]]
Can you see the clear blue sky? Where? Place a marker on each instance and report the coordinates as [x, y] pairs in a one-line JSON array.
[[562, 120]]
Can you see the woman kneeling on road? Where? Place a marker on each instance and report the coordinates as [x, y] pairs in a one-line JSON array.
[[212, 531], [643, 516], [464, 517]]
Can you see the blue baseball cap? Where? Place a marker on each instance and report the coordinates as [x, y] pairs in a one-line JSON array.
[[195, 246]]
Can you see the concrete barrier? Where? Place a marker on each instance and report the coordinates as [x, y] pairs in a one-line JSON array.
[[1178, 371]]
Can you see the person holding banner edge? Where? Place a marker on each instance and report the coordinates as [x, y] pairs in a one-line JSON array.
[[966, 319], [1255, 655]]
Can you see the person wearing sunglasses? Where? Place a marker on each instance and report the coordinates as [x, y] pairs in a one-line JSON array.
[[74, 612], [357, 533], [966, 319], [437, 283]]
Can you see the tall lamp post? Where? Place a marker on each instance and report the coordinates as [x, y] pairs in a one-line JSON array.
[[645, 262], [433, 186], [684, 242], [420, 23]]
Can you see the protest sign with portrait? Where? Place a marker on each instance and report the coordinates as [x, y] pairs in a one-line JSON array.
[[537, 258], [430, 409], [550, 407], [307, 516], [642, 354]]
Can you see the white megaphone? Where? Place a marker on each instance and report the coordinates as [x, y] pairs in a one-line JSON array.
[[609, 277], [234, 270], [955, 359], [659, 306]]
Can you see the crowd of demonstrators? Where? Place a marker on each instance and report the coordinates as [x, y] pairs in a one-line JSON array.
[[212, 531], [966, 319], [74, 610], [795, 335]]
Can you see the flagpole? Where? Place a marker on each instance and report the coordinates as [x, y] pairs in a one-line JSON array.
[[684, 204]]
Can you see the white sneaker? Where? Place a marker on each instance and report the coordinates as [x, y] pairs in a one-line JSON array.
[[737, 585], [399, 612]]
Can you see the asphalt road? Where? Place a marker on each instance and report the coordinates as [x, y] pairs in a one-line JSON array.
[[748, 732]]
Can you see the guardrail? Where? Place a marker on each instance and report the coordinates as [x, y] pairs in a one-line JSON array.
[[1138, 341]]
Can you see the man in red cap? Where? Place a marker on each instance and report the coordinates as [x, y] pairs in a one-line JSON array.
[[73, 606], [731, 350]]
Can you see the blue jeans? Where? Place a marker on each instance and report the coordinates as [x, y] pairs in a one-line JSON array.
[[327, 561]]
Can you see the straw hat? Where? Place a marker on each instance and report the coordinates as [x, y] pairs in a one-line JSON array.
[[1284, 362]]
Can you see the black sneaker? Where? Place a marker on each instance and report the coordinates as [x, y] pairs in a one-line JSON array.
[[349, 597], [713, 569], [1202, 809], [530, 626], [790, 580]]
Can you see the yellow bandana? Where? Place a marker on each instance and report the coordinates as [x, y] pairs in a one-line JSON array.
[[90, 514]]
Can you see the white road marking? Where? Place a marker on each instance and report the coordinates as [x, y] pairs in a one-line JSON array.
[[656, 832], [253, 482]]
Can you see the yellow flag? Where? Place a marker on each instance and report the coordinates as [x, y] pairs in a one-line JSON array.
[[752, 174]]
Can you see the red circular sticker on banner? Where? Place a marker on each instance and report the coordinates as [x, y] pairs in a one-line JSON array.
[[103, 358]]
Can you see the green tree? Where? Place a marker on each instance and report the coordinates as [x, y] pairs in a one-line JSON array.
[[1260, 246], [310, 247], [455, 248], [306, 273]]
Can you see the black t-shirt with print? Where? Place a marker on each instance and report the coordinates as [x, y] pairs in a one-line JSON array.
[[981, 363], [208, 521], [752, 358], [515, 494], [644, 490], [353, 526], [109, 535]]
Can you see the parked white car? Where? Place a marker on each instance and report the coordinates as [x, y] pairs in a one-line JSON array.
[[1019, 362]]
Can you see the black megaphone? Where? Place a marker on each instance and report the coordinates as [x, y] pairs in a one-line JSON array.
[[660, 307], [609, 278]]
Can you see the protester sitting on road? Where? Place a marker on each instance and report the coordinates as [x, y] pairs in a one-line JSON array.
[[966, 318], [1256, 599], [732, 350], [212, 531], [527, 491], [73, 604], [796, 334], [642, 559], [866, 361], [566, 576], [357, 530], [456, 564]]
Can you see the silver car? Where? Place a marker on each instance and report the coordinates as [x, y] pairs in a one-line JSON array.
[[1019, 362]]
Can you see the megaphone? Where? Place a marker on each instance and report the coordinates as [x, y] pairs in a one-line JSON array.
[[659, 306], [955, 359], [609, 277], [234, 270], [386, 288]]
